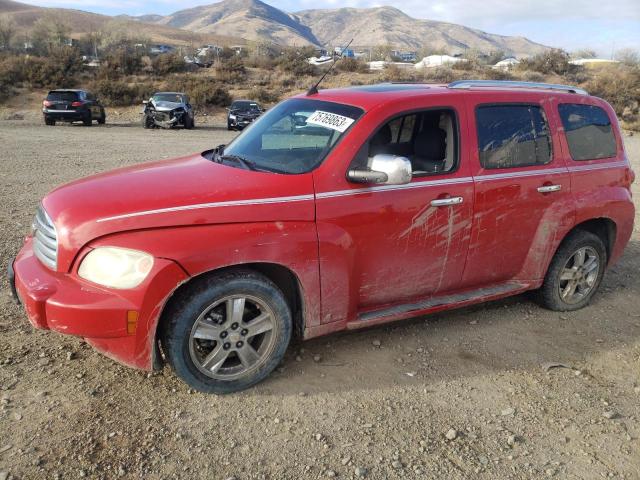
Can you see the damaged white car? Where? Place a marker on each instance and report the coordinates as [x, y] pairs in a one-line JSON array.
[[167, 110]]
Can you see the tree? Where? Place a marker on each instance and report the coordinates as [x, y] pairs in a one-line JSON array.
[[7, 32], [628, 56], [49, 31], [584, 53]]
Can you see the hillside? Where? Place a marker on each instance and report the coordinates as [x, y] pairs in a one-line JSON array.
[[82, 22], [255, 20], [388, 25], [250, 19], [230, 21]]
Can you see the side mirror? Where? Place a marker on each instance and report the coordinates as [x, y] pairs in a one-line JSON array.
[[144, 102], [384, 169]]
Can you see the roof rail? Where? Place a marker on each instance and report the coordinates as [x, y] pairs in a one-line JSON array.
[[462, 84]]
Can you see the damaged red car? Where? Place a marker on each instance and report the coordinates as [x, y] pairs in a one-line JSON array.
[[335, 210]]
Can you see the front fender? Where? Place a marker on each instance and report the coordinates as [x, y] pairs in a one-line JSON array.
[[201, 249]]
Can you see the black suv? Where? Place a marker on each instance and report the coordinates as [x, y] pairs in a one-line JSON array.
[[242, 113], [72, 106]]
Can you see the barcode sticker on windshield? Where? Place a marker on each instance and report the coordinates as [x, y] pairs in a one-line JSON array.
[[330, 120]]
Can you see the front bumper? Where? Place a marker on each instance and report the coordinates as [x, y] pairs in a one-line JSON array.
[[65, 303]]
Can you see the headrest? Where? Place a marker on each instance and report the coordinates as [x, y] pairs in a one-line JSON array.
[[431, 144], [382, 136]]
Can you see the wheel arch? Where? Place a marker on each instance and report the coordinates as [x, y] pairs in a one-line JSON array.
[[283, 277], [603, 227]]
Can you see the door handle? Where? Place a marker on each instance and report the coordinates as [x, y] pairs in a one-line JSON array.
[[549, 188], [446, 202]]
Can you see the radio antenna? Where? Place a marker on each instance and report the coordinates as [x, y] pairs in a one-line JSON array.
[[313, 90]]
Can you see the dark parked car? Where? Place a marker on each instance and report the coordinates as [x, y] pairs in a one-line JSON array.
[[242, 113], [72, 106]]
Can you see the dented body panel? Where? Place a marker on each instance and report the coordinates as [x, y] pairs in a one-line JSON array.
[[360, 254]]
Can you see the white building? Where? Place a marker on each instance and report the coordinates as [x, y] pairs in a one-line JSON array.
[[506, 64], [438, 60]]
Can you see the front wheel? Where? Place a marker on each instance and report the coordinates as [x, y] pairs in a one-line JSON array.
[[575, 272], [226, 332], [103, 118]]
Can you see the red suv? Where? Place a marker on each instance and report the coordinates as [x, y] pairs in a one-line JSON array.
[[335, 210]]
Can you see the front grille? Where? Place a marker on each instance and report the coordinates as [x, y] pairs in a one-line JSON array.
[[45, 239]]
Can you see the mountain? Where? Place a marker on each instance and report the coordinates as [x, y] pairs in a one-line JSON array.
[[388, 25], [249, 19], [256, 20], [230, 21], [81, 22]]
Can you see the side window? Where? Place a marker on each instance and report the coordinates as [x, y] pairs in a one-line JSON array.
[[511, 136], [588, 131], [428, 139]]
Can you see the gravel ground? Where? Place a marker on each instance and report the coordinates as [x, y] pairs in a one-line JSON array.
[[464, 394]]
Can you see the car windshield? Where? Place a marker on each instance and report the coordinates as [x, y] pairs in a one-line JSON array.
[[245, 106], [294, 136], [62, 96], [167, 97]]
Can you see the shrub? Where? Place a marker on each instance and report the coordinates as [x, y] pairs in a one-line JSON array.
[[167, 63], [620, 86], [263, 95], [121, 61], [203, 92], [59, 69], [552, 61], [295, 62], [231, 70], [121, 93], [352, 65], [393, 73]]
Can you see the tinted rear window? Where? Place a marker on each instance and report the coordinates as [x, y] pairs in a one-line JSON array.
[[62, 96], [512, 136], [588, 131]]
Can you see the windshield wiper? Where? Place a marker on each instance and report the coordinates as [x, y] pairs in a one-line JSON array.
[[238, 159]]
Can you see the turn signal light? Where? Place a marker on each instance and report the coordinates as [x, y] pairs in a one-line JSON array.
[[132, 322]]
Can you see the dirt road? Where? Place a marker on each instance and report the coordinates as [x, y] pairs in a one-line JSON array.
[[457, 395]]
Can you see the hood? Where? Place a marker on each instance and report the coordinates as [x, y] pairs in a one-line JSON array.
[[166, 106], [185, 191]]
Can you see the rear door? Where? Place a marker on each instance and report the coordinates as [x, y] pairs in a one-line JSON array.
[[522, 189]]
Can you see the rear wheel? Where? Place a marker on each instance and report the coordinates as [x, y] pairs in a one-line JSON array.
[[226, 332], [575, 272], [87, 120], [49, 121]]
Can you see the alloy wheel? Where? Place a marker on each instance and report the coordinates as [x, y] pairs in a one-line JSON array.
[[232, 337], [579, 275]]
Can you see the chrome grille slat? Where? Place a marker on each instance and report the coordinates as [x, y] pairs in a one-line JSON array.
[[45, 239]]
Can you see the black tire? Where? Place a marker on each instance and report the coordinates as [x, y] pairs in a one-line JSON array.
[[103, 118], [180, 316], [189, 123], [229, 127], [549, 295], [147, 121], [49, 121], [87, 121]]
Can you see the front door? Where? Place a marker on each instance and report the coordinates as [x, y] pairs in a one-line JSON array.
[[393, 244]]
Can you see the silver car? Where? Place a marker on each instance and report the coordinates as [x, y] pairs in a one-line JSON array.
[[167, 110]]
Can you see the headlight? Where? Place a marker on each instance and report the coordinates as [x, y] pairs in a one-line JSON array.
[[232, 116], [116, 267]]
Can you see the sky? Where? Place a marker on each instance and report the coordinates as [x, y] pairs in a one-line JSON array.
[[601, 25]]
